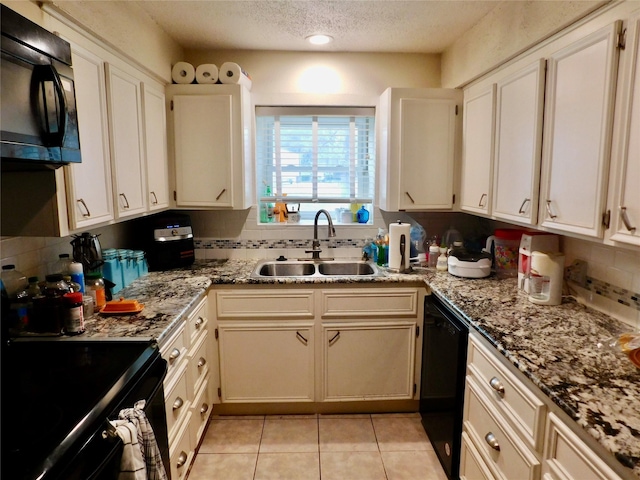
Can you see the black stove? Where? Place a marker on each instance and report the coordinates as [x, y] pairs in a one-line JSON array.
[[57, 396]]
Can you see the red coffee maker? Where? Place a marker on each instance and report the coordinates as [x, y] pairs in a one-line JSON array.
[[533, 242]]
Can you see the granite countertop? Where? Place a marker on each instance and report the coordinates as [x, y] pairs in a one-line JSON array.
[[565, 350]]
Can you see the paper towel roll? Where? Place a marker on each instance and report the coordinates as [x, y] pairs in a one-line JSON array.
[[207, 73], [397, 246], [547, 273], [183, 72], [232, 73]]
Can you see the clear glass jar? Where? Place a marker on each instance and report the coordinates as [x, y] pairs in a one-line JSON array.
[[62, 265], [14, 281], [94, 287]]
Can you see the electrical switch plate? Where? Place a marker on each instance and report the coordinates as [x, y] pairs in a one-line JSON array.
[[577, 272]]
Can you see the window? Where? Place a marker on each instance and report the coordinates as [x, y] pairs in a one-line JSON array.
[[315, 157]]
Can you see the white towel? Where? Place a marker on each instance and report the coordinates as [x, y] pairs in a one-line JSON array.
[[132, 466], [147, 441]]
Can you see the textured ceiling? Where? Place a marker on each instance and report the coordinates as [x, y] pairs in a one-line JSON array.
[[418, 26]]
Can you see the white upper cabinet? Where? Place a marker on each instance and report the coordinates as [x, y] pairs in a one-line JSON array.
[[417, 144], [477, 149], [155, 129], [580, 95], [518, 143], [210, 127], [89, 188], [127, 149], [625, 210]]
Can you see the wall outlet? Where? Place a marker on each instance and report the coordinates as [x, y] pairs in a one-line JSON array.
[[577, 272]]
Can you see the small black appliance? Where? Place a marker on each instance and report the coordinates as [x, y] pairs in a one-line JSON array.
[[171, 244]]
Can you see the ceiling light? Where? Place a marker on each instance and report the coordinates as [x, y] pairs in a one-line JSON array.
[[319, 39]]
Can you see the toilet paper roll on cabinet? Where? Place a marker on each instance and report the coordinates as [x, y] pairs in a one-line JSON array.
[[399, 246], [547, 274], [207, 73], [183, 72], [232, 73]]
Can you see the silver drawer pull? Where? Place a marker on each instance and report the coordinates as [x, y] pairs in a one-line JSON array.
[[175, 353], [178, 403], [497, 385], [522, 210], [201, 362], [204, 409], [492, 441], [182, 459], [625, 220], [483, 200], [199, 322], [410, 197], [550, 212]]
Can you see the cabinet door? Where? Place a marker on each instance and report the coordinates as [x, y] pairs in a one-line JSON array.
[[372, 361], [127, 150], [626, 207], [477, 150], [266, 362], [155, 129], [520, 100], [203, 140], [89, 192], [577, 135], [427, 153]]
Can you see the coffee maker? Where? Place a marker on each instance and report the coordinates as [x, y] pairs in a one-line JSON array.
[[87, 250], [533, 242]]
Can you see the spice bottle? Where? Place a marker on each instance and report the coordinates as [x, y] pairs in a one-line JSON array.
[[94, 286], [73, 314]]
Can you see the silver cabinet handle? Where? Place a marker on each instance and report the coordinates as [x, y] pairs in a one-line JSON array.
[[182, 459], [492, 441], [175, 353], [551, 215], [178, 403], [625, 220], [221, 193], [301, 337], [202, 362], [334, 339], [521, 210], [81, 202], [410, 197], [199, 322], [126, 202], [483, 201], [155, 198], [497, 385], [204, 409]]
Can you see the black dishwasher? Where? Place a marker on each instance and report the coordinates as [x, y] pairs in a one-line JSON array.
[[444, 358]]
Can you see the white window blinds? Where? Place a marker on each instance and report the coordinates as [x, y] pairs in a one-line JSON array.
[[315, 154]]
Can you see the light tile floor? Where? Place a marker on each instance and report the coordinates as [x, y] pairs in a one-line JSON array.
[[316, 447]]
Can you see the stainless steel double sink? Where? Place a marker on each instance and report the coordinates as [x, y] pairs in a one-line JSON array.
[[317, 268]]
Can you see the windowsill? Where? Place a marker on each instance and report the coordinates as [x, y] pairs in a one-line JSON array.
[[309, 223]]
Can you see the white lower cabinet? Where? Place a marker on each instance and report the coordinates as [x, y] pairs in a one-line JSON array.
[[188, 394], [326, 345], [510, 432]]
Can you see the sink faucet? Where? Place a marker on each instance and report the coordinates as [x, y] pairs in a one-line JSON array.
[[315, 245]]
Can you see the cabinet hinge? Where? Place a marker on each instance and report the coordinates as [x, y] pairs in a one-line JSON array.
[[219, 392], [172, 105], [216, 333], [456, 109], [606, 219], [622, 39], [415, 388], [418, 331], [453, 200], [175, 196]]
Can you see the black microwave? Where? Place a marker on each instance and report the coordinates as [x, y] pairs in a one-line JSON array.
[[38, 120]]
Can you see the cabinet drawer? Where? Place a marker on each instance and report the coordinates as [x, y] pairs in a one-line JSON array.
[[181, 451], [510, 457], [472, 467], [176, 401], [264, 304], [198, 363], [369, 303], [200, 412], [568, 457], [197, 321], [512, 398], [174, 351]]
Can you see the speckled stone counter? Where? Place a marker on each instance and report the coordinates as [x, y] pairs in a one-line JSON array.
[[564, 350]]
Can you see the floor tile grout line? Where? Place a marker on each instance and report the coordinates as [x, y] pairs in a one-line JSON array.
[[255, 467]]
